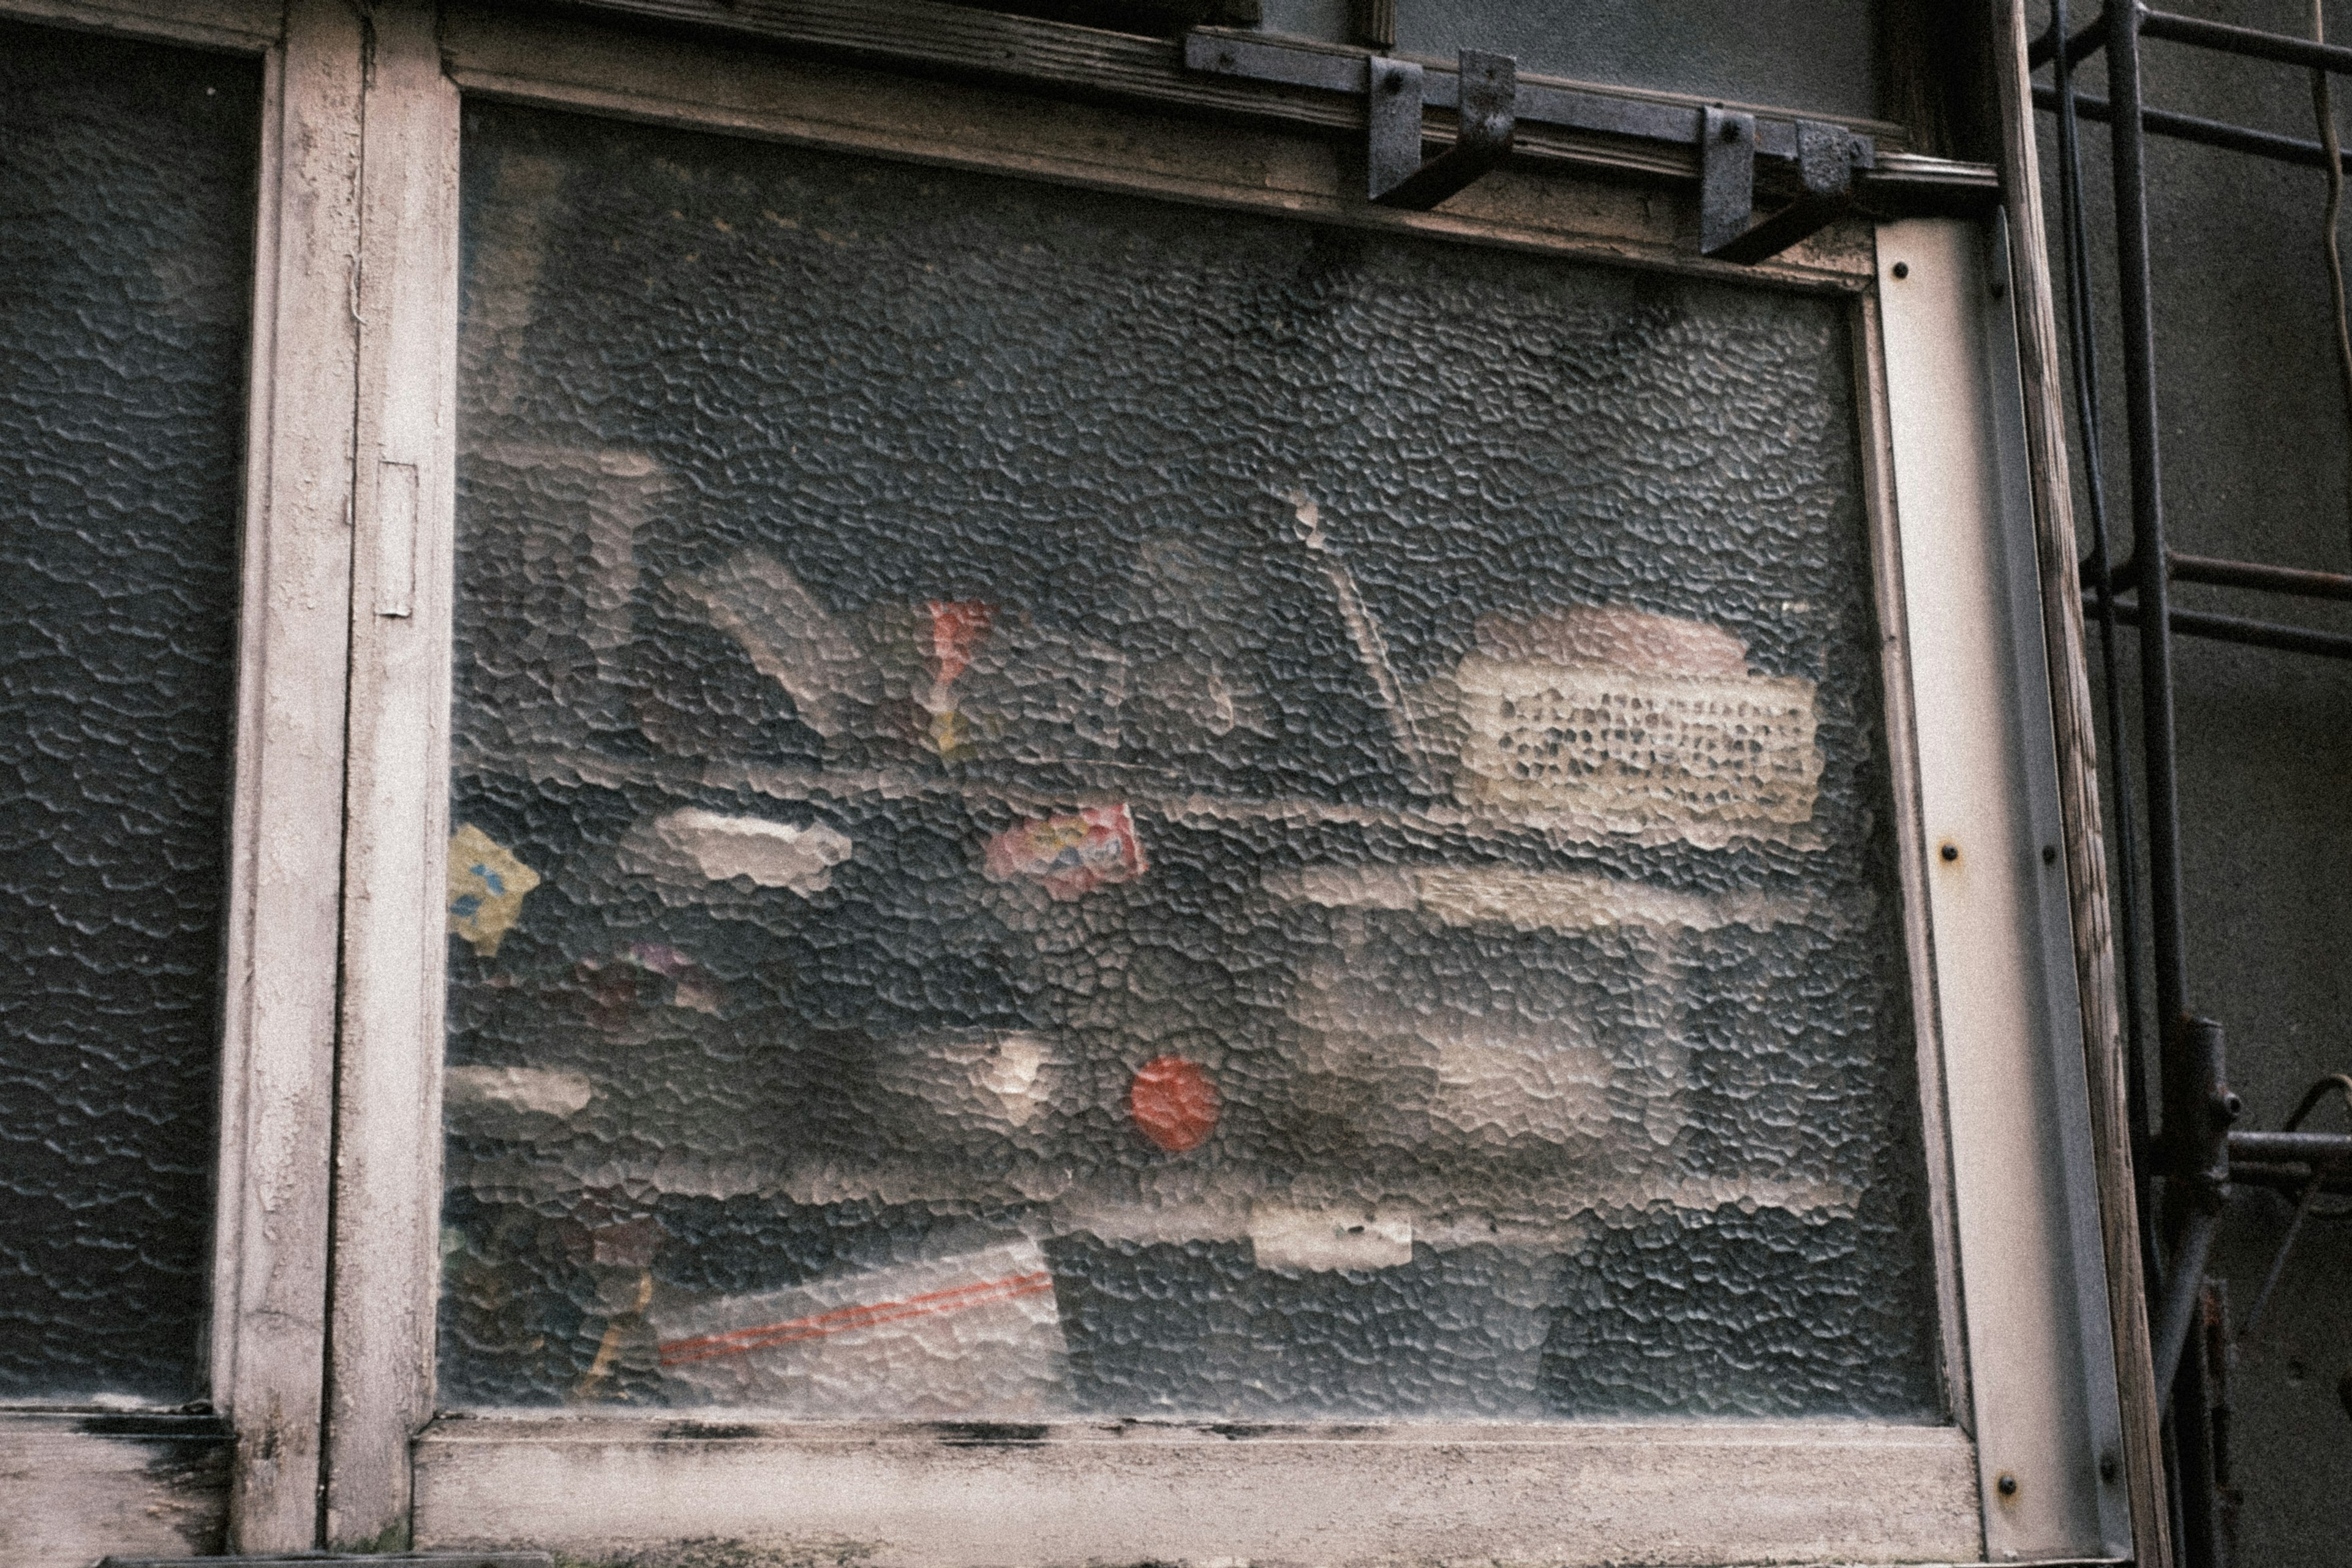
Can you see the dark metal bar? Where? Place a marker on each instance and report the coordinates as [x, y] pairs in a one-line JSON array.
[[1825, 163], [2195, 1150], [2331, 1151], [2338, 1083], [2290, 579], [2250, 42], [2286, 1178], [2198, 1109], [2136, 297], [2239, 630], [2183, 1287], [2079, 47], [2200, 1401], [2211, 132], [1220, 52], [2193, 1216], [2077, 255]]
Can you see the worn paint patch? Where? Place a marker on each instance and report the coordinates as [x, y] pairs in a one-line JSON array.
[[1322, 1239], [1094, 847], [1536, 900], [1341, 1494], [541, 1091], [486, 886], [1174, 1103], [798, 857]]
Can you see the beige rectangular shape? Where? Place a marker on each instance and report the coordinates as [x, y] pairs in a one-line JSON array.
[[1636, 748], [395, 523], [1318, 1240], [1142, 1491]]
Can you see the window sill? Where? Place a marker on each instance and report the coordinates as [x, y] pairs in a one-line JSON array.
[[950, 1494]]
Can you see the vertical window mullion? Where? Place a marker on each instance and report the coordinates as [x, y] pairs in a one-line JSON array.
[[387, 1110]]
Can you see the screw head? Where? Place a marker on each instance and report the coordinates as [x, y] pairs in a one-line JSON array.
[[2049, 854], [2007, 1485], [1951, 851], [1731, 130], [1901, 270]]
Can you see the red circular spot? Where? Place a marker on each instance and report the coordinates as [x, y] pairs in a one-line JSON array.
[[1173, 1102]]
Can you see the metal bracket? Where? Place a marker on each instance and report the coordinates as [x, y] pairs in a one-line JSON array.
[[1827, 156], [1487, 103], [1496, 103]]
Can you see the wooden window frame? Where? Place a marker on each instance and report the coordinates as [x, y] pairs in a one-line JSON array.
[[109, 1480], [326, 1276]]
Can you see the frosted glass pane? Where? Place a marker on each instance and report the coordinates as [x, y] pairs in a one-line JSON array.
[[1071, 804], [126, 263]]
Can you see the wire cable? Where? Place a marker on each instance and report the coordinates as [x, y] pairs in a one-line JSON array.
[[2323, 107], [2335, 1083]]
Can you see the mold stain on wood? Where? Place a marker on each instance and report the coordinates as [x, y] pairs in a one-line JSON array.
[[81, 1485]]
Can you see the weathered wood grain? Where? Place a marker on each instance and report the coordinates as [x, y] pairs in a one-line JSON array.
[[388, 1072], [2077, 742], [1134, 1492], [241, 26], [277, 1091]]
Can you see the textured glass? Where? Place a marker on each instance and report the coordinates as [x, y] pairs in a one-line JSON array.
[[1065, 804], [126, 214]]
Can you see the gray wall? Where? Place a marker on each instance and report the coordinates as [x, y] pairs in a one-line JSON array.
[[2255, 438]]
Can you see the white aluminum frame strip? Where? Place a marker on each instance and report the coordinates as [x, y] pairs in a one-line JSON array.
[[2041, 1356]]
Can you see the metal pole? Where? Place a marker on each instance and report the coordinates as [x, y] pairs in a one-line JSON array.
[[2134, 296], [2252, 43], [2186, 1420], [2080, 46], [2183, 1295], [2076, 255], [2192, 128], [2257, 575], [2232, 628], [2201, 1542]]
